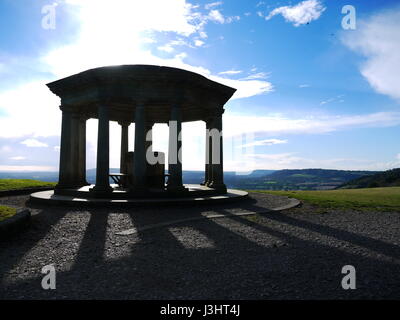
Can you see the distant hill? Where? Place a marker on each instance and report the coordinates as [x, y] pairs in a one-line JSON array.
[[390, 178], [48, 176], [301, 179], [310, 179]]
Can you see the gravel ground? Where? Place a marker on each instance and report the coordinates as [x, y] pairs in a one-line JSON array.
[[294, 254]]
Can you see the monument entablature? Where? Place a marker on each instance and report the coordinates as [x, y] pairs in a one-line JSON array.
[[123, 88]]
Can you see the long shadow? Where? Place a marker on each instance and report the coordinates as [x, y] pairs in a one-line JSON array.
[[316, 272], [388, 249], [173, 270], [91, 249]]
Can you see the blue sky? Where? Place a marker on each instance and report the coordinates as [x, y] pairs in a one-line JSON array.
[[310, 93]]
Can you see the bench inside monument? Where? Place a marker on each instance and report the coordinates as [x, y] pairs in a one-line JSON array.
[[155, 173]]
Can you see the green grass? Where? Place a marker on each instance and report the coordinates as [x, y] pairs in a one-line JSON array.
[[6, 212], [11, 184], [380, 199]]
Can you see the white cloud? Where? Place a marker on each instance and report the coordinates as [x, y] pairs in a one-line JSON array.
[[27, 168], [266, 142], [259, 75], [31, 109], [334, 99], [203, 34], [216, 16], [181, 56], [302, 13], [18, 158], [232, 19], [279, 159], [240, 124], [33, 143], [327, 101], [208, 6], [245, 88], [198, 43], [230, 72], [5, 149], [167, 48], [106, 17], [304, 86], [378, 39]]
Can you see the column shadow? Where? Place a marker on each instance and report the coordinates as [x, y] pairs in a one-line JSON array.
[[340, 234]]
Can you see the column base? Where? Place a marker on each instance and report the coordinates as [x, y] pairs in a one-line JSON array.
[[138, 190], [82, 184], [177, 189], [218, 186], [61, 186], [101, 189]]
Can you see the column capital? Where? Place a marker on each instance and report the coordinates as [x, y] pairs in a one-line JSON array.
[[149, 125], [66, 108], [124, 123], [214, 114], [84, 117], [217, 112], [76, 115]]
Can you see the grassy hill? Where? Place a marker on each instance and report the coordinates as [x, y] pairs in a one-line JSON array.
[[390, 178], [10, 184], [309, 179], [379, 199]]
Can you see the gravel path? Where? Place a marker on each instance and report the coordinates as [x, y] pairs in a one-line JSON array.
[[294, 254]]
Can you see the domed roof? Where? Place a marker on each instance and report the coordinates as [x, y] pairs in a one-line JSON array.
[[157, 87]]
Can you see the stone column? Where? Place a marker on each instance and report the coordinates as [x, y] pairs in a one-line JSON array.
[[207, 173], [124, 145], [65, 174], [82, 150], [103, 152], [139, 156], [69, 174], [217, 171], [149, 136], [174, 151]]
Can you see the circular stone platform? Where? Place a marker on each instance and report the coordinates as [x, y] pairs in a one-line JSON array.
[[48, 197]]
